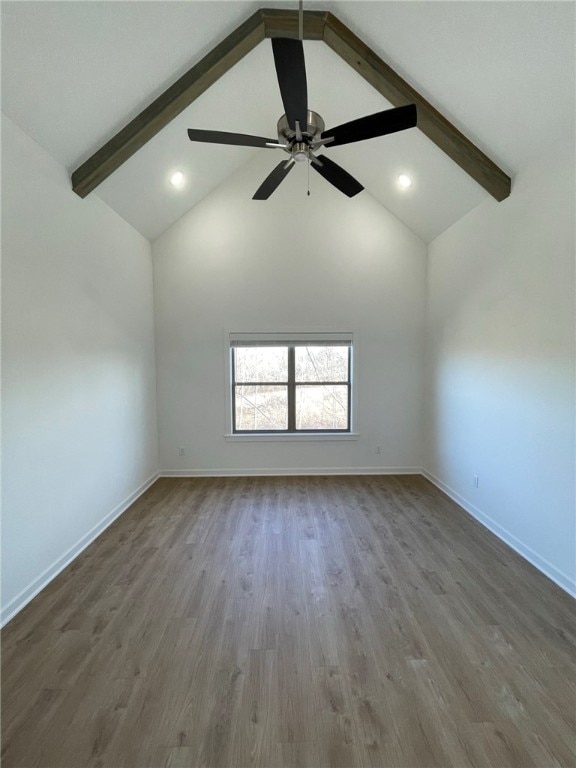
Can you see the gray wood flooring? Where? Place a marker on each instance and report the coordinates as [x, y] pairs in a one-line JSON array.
[[314, 622]]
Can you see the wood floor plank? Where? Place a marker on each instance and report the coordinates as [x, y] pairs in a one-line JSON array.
[[320, 622]]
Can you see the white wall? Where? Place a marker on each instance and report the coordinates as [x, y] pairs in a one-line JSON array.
[[500, 373], [290, 263], [79, 421]]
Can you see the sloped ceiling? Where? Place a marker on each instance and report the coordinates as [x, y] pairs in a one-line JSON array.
[[75, 72]]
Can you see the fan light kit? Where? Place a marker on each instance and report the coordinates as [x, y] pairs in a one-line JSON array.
[[301, 131], [404, 181], [177, 179]]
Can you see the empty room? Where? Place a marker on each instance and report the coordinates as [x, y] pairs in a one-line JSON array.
[[288, 379]]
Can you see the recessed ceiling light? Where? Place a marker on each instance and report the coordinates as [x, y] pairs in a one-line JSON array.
[[404, 181], [177, 179]]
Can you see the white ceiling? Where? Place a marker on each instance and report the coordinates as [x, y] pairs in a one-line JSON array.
[[75, 72]]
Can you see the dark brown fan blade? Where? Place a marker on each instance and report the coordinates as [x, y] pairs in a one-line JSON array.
[[337, 176], [291, 72], [371, 126], [273, 180], [237, 139]]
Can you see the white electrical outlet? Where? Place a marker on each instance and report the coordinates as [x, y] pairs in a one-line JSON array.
[[475, 480], [181, 451]]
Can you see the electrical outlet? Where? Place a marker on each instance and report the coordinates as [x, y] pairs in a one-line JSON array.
[[475, 480], [378, 449], [181, 451]]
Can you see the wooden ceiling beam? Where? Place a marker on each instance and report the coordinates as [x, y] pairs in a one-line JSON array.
[[317, 25], [168, 105], [430, 121], [282, 23]]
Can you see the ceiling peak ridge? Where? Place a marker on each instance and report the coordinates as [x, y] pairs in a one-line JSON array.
[[275, 22]]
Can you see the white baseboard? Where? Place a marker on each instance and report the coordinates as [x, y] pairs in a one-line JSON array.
[[558, 577], [289, 471], [29, 593]]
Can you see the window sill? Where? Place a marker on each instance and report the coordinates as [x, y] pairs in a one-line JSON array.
[[301, 437]]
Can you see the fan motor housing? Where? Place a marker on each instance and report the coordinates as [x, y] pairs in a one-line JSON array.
[[315, 126]]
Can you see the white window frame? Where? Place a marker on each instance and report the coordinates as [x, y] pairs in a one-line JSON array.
[[287, 337]]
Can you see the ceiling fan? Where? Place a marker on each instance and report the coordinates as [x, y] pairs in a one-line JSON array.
[[301, 131]]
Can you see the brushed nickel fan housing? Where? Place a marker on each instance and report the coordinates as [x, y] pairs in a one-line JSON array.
[[315, 126]]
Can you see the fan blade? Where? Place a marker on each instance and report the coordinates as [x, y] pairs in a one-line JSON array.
[[291, 72], [337, 176], [389, 121], [237, 139], [273, 180]]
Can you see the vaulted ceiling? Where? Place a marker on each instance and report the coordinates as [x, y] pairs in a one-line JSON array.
[[74, 73]]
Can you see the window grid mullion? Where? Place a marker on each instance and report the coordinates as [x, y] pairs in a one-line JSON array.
[[263, 383], [291, 389], [342, 383], [322, 383]]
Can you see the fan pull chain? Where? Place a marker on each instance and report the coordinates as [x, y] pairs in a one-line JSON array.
[[308, 193]]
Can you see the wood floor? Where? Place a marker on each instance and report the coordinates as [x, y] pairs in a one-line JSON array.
[[274, 622]]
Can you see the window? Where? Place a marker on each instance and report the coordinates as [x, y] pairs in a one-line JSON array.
[[291, 386]]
